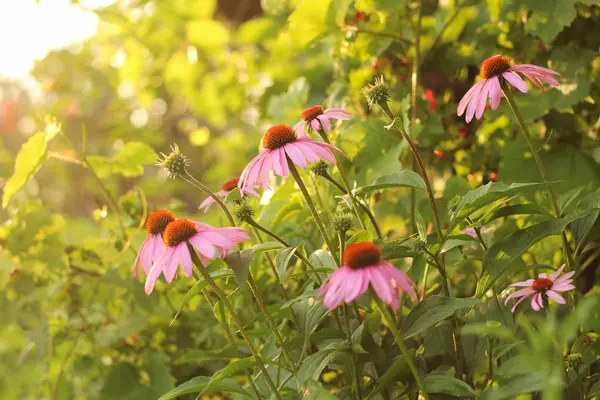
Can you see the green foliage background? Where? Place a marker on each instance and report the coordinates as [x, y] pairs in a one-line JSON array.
[[211, 78]]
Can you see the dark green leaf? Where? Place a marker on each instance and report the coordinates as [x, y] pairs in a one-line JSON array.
[[447, 384], [283, 259], [362, 236], [404, 178], [457, 240], [313, 365], [432, 311], [197, 385]]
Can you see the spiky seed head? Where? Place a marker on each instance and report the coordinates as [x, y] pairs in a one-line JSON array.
[[174, 163], [243, 211], [493, 324], [342, 222], [376, 93], [318, 168], [572, 360]]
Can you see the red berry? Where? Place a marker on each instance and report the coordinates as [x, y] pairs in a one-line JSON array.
[[463, 132], [361, 16], [438, 153], [376, 64], [494, 176]]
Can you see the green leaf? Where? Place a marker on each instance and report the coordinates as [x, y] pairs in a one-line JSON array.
[[283, 259], [503, 253], [200, 356], [239, 262], [432, 311], [28, 162], [122, 382], [322, 259], [517, 209], [421, 226], [157, 367], [549, 17], [457, 240], [315, 391], [313, 365], [207, 34], [230, 370], [447, 384], [404, 178], [399, 368], [582, 227], [486, 194], [362, 236], [130, 161], [314, 316], [197, 385]]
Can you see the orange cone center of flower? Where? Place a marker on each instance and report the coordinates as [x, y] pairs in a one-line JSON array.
[[311, 113], [542, 284], [179, 231], [362, 254], [158, 221], [230, 185], [494, 66], [278, 136]]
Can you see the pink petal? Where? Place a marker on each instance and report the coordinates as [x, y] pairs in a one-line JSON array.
[[335, 290], [381, 284], [295, 154], [170, 270], [307, 150], [483, 98], [402, 280], [474, 101], [534, 68], [462, 105], [337, 113], [527, 283], [555, 296], [314, 124], [156, 269], [185, 260], [277, 167], [563, 287], [519, 293], [203, 246], [564, 278], [300, 128], [356, 285], [536, 302], [515, 80], [206, 204], [514, 307], [556, 273], [253, 192], [533, 79], [285, 169], [267, 166], [495, 93], [324, 123]]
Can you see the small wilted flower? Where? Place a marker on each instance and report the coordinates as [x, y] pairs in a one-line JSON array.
[[319, 168], [496, 71], [315, 118], [342, 222], [225, 190], [174, 163], [362, 267], [543, 287], [376, 93], [243, 211]]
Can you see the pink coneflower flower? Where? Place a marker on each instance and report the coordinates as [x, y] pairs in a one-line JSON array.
[[153, 246], [543, 286], [208, 241], [315, 117], [226, 188], [495, 71], [282, 144], [362, 265]]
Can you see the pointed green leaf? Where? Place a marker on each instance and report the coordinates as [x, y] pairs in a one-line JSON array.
[[197, 385], [404, 178], [283, 259]]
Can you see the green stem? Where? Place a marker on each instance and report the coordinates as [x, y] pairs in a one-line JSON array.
[[360, 204], [312, 208], [342, 243], [305, 260], [409, 359], [413, 118], [348, 190], [271, 264], [478, 233], [355, 387], [223, 297], [231, 340], [490, 359], [515, 109], [261, 305]]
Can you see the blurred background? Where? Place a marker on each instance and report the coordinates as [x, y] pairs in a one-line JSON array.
[[128, 78]]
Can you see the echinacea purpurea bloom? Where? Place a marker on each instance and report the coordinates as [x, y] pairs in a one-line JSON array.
[[363, 266], [495, 71], [225, 189], [153, 246], [282, 143], [542, 287], [208, 241], [315, 117]]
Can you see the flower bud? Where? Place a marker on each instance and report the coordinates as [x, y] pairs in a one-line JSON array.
[[493, 324], [572, 360], [319, 168], [377, 93], [174, 163], [342, 222], [243, 211]]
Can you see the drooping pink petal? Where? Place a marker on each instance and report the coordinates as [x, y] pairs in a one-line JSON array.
[[556, 273], [285, 169], [483, 98], [533, 68], [139, 255], [474, 101], [157, 269], [205, 205], [337, 113], [563, 287], [170, 269], [555, 296], [185, 260], [277, 167], [321, 152], [203, 246], [381, 285], [357, 284], [335, 289], [307, 150], [462, 105], [537, 302], [300, 128], [495, 93], [250, 174], [295, 154], [400, 278], [534, 79], [514, 307], [515, 80], [527, 283], [314, 124], [267, 166], [324, 122], [519, 293]]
